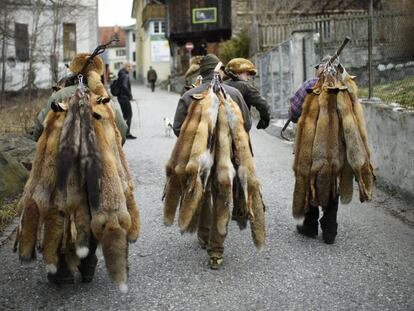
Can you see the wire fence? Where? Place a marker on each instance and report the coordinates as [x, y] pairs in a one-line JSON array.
[[276, 76]]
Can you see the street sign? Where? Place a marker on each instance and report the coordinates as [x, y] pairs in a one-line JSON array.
[[189, 46]]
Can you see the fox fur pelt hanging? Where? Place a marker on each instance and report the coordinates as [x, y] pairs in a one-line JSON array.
[[80, 183], [213, 147], [331, 146]]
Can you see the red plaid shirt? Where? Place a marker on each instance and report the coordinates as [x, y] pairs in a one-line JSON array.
[[296, 101]]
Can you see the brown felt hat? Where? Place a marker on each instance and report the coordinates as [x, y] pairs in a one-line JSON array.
[[240, 65]]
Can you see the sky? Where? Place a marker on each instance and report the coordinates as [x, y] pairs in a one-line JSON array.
[[115, 12]]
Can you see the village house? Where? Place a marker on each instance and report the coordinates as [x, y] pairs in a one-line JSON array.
[[40, 37], [196, 28], [130, 48], [115, 55], [152, 48]]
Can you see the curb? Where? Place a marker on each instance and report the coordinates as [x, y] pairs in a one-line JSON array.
[[8, 231], [275, 127]]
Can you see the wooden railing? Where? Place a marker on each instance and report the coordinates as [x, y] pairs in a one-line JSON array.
[[332, 28], [153, 11]]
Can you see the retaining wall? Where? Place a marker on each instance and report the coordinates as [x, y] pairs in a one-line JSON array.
[[391, 137]]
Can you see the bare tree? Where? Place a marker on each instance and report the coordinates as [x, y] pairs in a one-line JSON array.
[[5, 34], [38, 9]]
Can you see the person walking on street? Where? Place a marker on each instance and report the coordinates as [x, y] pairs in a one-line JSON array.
[[208, 235], [152, 78], [125, 96], [328, 222], [241, 71]]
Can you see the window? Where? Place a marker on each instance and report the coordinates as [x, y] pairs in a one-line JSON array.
[[159, 27], [134, 56], [69, 41], [117, 66], [21, 43], [120, 52], [133, 37]]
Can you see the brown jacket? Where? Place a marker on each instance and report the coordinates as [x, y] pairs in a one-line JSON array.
[[186, 100]]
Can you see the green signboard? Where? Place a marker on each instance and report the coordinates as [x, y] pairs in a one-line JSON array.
[[204, 15]]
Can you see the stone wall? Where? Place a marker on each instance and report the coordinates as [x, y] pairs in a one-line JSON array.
[[386, 68], [391, 137], [239, 17]]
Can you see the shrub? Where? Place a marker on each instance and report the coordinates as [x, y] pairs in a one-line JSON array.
[[237, 46]]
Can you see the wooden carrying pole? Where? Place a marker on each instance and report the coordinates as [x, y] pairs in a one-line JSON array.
[[330, 61]]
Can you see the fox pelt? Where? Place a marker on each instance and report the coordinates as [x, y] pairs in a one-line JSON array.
[[331, 145], [93, 72], [213, 146], [80, 183]]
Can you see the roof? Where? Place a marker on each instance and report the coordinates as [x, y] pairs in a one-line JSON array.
[[107, 33], [129, 28]]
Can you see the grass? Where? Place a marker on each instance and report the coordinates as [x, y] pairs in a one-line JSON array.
[[17, 116], [401, 92], [8, 210]]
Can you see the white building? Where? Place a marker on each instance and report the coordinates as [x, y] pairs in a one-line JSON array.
[[116, 54], [76, 29], [152, 48], [130, 47]]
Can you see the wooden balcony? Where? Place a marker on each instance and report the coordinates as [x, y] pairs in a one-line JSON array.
[[153, 11]]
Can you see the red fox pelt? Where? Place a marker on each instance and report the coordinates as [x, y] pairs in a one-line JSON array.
[[325, 150], [66, 210], [211, 144], [201, 159], [93, 72], [38, 191], [331, 145], [117, 221], [175, 168], [305, 134], [172, 189]]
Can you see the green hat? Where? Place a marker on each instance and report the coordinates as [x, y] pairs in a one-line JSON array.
[[208, 63]]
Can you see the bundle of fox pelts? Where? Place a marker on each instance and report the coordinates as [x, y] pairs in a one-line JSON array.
[[331, 146], [80, 183], [212, 151]]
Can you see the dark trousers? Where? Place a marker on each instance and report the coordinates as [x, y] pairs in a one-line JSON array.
[[152, 85], [126, 110], [328, 221], [207, 225]]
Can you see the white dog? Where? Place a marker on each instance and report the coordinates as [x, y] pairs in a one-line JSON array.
[[167, 127]]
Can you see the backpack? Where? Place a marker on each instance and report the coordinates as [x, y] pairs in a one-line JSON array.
[[115, 88]]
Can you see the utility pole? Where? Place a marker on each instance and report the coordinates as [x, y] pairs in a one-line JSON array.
[[370, 41]]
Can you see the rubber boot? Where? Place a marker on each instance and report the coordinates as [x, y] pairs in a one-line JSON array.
[[328, 222], [63, 275], [88, 264], [310, 224]]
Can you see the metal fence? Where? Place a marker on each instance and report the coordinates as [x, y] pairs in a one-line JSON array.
[[276, 76], [391, 61]]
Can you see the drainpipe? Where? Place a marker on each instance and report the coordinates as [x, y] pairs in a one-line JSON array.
[[304, 58], [370, 75]]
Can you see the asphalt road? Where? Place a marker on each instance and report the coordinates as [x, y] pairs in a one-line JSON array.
[[370, 267]]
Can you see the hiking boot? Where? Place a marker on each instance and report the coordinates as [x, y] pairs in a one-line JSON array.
[[310, 224], [130, 136], [216, 261], [87, 268], [328, 222], [63, 275]]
